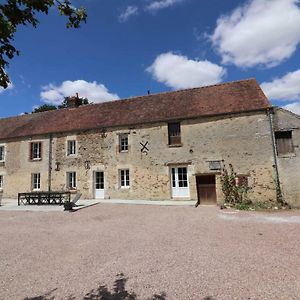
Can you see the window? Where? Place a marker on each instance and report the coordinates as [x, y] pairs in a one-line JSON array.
[[2, 153], [123, 142], [71, 180], [241, 181], [284, 143], [36, 151], [1, 182], [174, 133], [124, 178], [71, 147], [179, 177], [36, 181]]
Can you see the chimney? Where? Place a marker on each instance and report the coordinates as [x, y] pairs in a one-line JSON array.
[[73, 102]]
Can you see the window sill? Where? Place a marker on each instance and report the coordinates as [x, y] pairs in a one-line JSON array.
[[287, 155], [174, 145], [124, 151], [36, 159], [124, 187]]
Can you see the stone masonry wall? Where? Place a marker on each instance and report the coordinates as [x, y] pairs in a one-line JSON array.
[[289, 164], [243, 140]]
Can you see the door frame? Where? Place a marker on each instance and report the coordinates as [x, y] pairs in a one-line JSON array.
[[197, 178], [94, 183], [187, 189]]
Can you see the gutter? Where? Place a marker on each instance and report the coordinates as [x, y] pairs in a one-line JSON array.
[[50, 163], [270, 113]]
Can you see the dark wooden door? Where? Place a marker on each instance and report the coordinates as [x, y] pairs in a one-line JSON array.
[[206, 189]]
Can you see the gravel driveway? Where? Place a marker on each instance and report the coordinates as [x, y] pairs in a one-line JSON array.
[[117, 252]]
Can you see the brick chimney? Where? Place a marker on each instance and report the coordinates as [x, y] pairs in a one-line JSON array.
[[73, 102]]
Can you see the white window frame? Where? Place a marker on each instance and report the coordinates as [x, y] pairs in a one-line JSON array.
[[71, 180], [38, 152], [71, 147], [36, 181], [2, 159], [124, 178], [1, 182], [123, 142]]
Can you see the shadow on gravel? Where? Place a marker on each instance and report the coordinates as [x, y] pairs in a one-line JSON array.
[[119, 292]]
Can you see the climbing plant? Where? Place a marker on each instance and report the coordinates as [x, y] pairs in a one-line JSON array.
[[234, 193]]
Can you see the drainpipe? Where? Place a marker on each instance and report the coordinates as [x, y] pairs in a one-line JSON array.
[[50, 163], [270, 113]]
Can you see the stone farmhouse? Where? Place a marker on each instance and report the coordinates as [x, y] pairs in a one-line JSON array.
[[163, 146]]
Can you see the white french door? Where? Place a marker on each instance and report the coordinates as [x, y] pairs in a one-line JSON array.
[[180, 182], [99, 185]]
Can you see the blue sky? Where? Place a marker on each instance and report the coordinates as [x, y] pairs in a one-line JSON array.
[[130, 46]]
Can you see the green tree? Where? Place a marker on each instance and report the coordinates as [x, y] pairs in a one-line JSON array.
[[23, 12], [44, 107]]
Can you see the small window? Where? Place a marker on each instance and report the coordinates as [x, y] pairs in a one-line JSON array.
[[1, 182], [241, 181], [284, 143], [2, 153], [71, 180], [36, 181], [71, 147], [36, 151], [123, 142], [124, 178], [174, 133]]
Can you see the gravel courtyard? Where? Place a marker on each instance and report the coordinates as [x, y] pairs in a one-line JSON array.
[[117, 252]]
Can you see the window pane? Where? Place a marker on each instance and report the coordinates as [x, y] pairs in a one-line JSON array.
[[284, 142], [71, 147], [182, 177], [123, 141], [174, 133], [1, 153], [124, 178]]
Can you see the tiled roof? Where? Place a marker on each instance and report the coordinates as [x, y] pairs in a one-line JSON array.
[[233, 97]]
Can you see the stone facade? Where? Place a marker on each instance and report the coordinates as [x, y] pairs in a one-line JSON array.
[[243, 140], [289, 163]]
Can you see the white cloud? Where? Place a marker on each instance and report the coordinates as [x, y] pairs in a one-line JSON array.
[[286, 88], [127, 13], [293, 107], [93, 91], [161, 4], [260, 32], [10, 87], [179, 72]]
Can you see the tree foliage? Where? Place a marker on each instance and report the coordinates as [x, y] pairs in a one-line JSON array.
[[23, 12], [44, 107], [65, 104]]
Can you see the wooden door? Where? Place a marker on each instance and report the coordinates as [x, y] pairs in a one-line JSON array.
[[206, 189]]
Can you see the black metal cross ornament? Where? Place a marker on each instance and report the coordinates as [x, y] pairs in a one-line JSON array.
[[144, 148]]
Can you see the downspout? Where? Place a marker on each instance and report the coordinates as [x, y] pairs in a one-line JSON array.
[[270, 113], [50, 163]]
